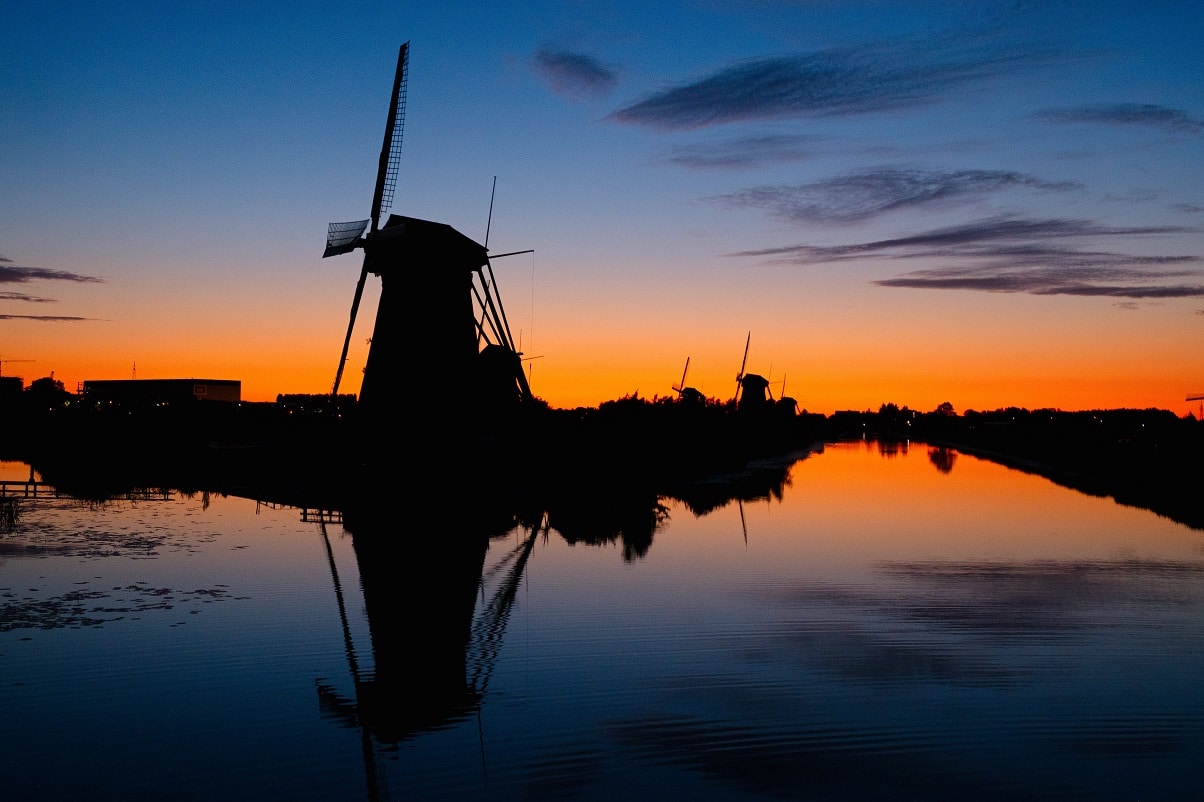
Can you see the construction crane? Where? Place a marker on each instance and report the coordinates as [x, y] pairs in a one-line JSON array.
[[1198, 397], [4, 362]]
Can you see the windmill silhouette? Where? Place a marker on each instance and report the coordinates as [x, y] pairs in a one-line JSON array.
[[752, 389], [686, 394], [441, 333]]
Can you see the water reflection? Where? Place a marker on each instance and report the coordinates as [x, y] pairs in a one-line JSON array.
[[943, 458], [420, 575], [890, 629], [435, 632]]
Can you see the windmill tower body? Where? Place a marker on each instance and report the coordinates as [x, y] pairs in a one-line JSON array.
[[754, 392], [424, 343], [441, 347]]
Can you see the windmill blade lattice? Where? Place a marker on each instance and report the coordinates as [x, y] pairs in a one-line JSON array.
[[345, 237]]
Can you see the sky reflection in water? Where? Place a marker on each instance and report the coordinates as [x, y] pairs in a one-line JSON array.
[[898, 622]]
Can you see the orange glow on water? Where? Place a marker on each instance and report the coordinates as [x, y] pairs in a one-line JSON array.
[[915, 502], [858, 503]]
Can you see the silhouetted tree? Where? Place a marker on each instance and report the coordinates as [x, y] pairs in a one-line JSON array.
[[47, 393]]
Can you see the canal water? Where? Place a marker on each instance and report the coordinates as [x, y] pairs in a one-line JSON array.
[[879, 622]]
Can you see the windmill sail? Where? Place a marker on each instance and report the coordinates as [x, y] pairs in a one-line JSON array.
[[743, 364], [390, 151], [338, 237], [344, 237]]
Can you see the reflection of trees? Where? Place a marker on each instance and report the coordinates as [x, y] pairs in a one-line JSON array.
[[760, 484], [943, 458], [601, 515], [892, 448], [600, 518]]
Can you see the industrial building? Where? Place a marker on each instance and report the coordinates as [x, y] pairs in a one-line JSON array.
[[160, 391]]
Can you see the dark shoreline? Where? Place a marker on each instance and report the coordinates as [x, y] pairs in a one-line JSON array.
[[1176, 503], [586, 458], [1138, 458]]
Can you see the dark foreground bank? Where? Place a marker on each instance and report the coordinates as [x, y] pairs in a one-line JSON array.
[[1145, 458], [330, 458]]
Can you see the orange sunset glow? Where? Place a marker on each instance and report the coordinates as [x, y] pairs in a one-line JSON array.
[[989, 209]]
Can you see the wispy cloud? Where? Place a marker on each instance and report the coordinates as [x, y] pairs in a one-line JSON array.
[[1036, 256], [15, 274], [1173, 121], [574, 75], [836, 82], [859, 196], [1048, 281], [20, 296], [46, 318], [12, 274], [741, 152]]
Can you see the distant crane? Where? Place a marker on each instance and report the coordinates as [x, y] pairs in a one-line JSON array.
[[1198, 397], [3, 362]]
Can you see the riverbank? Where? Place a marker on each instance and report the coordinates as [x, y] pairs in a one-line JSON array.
[[332, 459], [1141, 458], [634, 448]]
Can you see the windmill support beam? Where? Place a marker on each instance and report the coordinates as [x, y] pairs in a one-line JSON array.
[[355, 305], [499, 336], [502, 309], [499, 321]]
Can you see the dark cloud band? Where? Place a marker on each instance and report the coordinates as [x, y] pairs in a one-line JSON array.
[[1174, 121], [859, 196], [574, 74], [1035, 256], [834, 82], [21, 275], [45, 318], [742, 152], [20, 296]]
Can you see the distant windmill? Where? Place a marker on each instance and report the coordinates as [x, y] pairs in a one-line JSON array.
[[751, 388], [440, 330], [687, 394], [680, 387]]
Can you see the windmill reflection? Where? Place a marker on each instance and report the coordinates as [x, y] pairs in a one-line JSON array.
[[437, 614], [432, 657]]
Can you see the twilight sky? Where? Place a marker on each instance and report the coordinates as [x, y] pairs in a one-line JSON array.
[[986, 203]]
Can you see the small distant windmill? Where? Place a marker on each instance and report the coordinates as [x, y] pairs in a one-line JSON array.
[[687, 394], [751, 388], [451, 341], [680, 387]]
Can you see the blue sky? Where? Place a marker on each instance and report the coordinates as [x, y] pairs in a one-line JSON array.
[[984, 202]]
